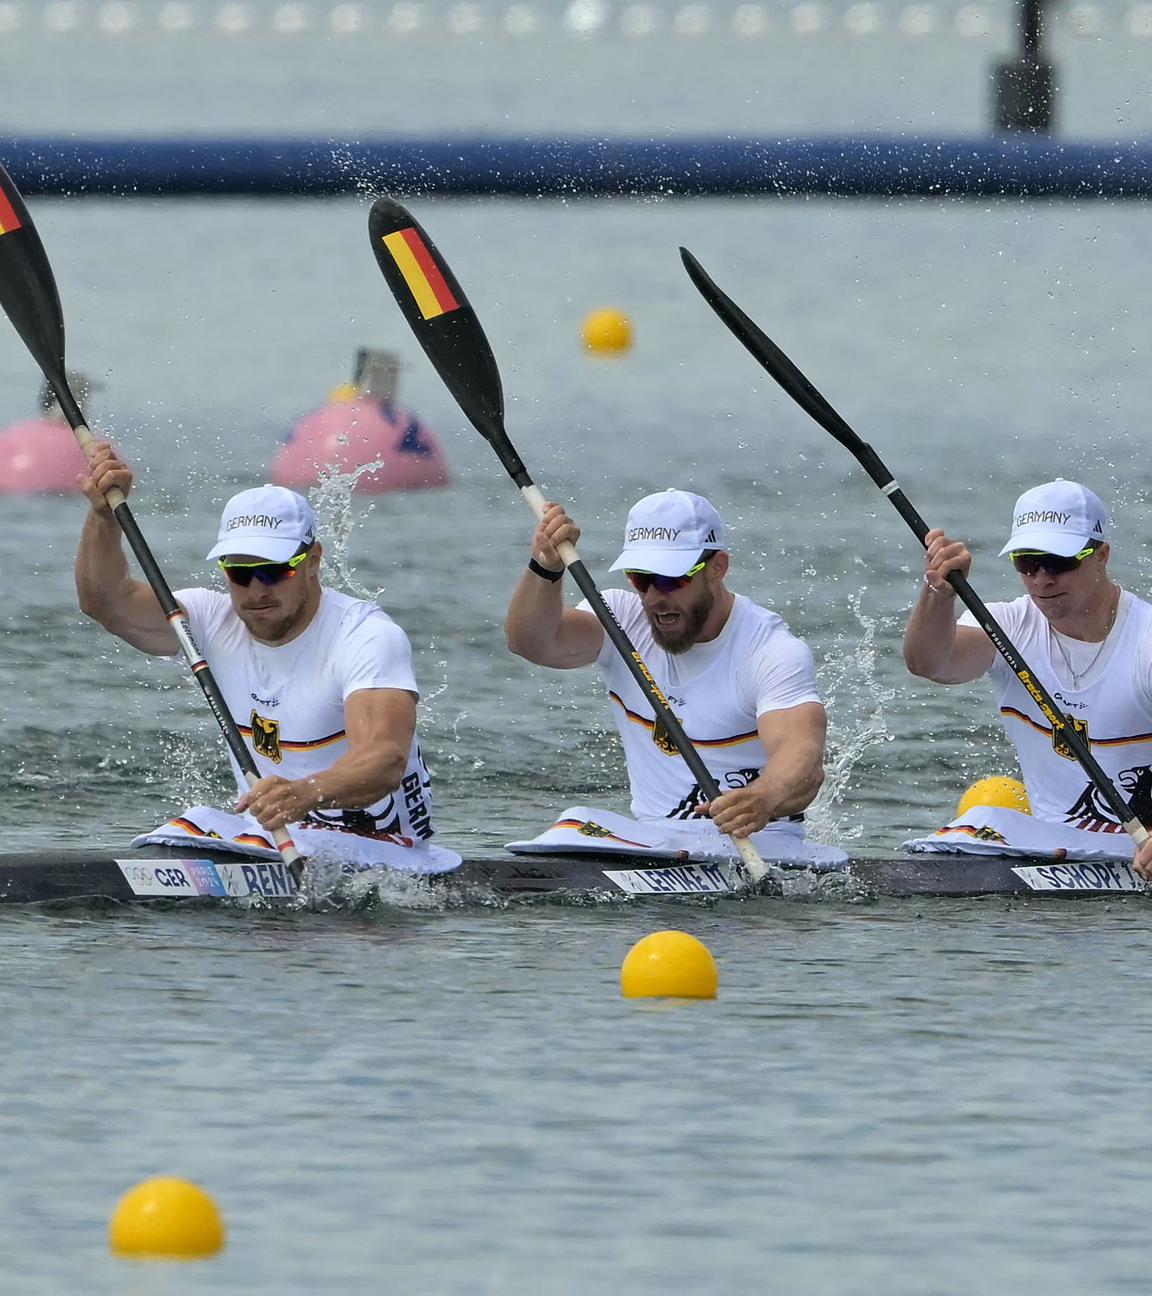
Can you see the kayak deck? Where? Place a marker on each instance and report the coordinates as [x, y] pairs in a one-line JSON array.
[[171, 873]]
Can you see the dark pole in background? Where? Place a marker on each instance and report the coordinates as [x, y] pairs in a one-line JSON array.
[[1024, 93]]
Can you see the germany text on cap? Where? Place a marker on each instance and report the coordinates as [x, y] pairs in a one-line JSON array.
[[666, 533], [268, 521], [1061, 517]]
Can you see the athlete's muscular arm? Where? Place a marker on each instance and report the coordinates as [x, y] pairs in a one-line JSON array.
[[538, 626], [379, 724], [935, 647], [793, 741], [105, 588]]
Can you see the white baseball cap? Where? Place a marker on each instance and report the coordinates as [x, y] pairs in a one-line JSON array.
[[267, 521], [666, 533], [1061, 517]]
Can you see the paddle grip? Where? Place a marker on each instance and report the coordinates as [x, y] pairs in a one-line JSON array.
[[282, 838], [114, 495]]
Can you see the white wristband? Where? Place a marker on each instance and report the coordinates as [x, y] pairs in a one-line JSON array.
[[933, 590]]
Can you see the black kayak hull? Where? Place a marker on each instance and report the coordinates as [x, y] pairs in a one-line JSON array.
[[170, 873]]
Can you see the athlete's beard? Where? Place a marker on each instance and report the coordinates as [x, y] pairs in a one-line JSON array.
[[695, 617], [272, 632]]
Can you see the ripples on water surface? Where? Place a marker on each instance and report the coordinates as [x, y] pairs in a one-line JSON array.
[[903, 1097]]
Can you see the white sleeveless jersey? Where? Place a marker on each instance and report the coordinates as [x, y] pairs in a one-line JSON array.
[[1112, 708], [715, 689], [288, 701]]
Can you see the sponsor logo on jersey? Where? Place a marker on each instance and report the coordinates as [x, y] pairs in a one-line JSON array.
[[1068, 702]]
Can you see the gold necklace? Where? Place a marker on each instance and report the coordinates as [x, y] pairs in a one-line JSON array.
[[1077, 676]]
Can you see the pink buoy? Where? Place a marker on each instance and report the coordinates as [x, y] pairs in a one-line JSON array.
[[360, 425], [41, 455], [345, 435]]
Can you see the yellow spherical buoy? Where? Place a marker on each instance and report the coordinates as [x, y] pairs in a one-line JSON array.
[[166, 1219], [669, 965], [607, 332], [1007, 793], [344, 394]]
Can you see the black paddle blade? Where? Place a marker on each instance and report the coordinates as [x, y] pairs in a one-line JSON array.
[[27, 289], [769, 355], [444, 322]]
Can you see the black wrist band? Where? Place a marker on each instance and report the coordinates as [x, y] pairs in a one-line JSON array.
[[543, 572]]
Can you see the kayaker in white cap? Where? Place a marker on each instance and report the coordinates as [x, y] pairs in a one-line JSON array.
[[319, 684], [1089, 643], [742, 685]]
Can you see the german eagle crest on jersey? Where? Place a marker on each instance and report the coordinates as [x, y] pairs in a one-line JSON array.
[[266, 738], [1060, 743]]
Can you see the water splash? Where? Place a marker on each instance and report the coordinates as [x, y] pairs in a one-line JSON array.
[[332, 500], [855, 700]]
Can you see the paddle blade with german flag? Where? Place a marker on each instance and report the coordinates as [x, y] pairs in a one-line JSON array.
[[439, 314], [28, 293]]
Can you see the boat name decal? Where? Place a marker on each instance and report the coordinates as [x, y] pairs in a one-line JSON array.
[[193, 877], [679, 879], [1085, 875]]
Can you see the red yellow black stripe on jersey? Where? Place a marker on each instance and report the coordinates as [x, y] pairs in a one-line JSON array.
[[648, 724], [1046, 730], [287, 745]]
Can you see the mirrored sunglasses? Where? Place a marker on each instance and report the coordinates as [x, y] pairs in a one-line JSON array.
[[267, 573], [642, 581], [1028, 562]]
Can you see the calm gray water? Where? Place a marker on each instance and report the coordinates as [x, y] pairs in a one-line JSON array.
[[922, 1098]]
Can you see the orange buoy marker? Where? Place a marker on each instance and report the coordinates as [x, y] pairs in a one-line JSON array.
[[166, 1219], [607, 332], [1004, 793], [669, 965]]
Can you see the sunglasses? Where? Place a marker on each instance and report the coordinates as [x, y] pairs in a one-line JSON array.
[[267, 573], [1028, 563], [642, 581]]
